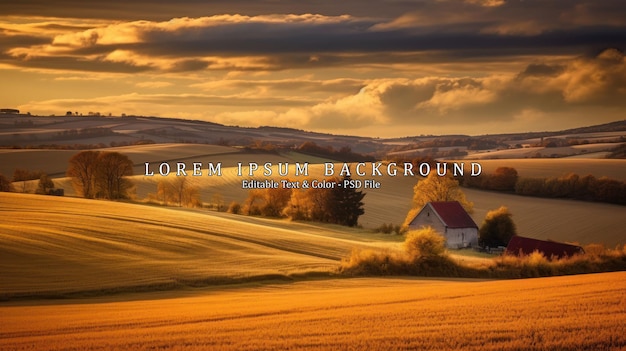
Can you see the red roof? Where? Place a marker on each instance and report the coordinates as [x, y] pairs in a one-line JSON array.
[[453, 214], [519, 245]]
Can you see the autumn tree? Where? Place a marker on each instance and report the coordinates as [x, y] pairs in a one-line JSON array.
[[5, 184], [502, 179], [179, 191], [497, 228], [253, 203], [111, 172], [334, 205], [437, 188], [275, 200], [82, 169], [45, 184], [267, 202], [101, 174]]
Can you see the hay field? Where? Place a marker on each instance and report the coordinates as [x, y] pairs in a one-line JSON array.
[[53, 246], [585, 312]]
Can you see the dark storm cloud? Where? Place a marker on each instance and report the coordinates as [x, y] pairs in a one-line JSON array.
[[10, 41], [373, 32], [72, 63]]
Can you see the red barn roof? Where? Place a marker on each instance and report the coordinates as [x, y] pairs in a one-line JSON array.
[[452, 214], [520, 246]]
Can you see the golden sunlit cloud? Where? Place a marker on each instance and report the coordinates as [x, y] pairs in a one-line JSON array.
[[463, 64]]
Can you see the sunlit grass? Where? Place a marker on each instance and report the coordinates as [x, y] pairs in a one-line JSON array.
[[52, 246], [563, 313]]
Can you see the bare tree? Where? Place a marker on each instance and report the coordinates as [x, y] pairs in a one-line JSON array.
[[82, 170], [101, 174], [179, 191], [111, 172], [5, 184]]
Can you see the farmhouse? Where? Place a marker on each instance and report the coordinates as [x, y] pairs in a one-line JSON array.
[[450, 219], [521, 246]]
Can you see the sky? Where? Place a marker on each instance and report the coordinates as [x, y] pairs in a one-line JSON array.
[[386, 68]]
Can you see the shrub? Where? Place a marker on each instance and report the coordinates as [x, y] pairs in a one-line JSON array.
[[424, 243], [384, 228], [234, 208], [497, 228]]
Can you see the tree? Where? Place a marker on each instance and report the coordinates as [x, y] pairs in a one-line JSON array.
[[179, 191], [328, 205], [82, 170], [345, 205], [110, 175], [5, 184], [101, 174], [437, 188], [497, 228], [503, 179], [24, 175], [45, 184], [275, 200]]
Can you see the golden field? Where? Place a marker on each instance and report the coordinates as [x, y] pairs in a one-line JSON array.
[[98, 275], [55, 246], [584, 312]]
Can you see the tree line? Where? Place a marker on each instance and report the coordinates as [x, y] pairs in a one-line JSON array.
[[338, 205], [570, 186], [23, 175], [101, 174]]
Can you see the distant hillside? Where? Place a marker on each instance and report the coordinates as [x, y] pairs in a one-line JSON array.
[[82, 132]]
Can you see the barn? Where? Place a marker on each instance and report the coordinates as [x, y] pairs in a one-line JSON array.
[[450, 219], [521, 246]]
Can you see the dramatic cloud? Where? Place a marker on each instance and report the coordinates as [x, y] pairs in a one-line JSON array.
[[391, 67]]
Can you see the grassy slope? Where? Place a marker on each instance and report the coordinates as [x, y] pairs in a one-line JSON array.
[[562, 313], [51, 246]]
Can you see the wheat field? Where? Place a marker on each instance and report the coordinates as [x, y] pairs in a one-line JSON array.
[[54, 246], [584, 312]]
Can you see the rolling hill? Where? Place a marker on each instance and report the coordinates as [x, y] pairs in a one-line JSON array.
[[52, 246]]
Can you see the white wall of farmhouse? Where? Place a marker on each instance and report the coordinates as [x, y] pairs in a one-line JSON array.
[[455, 237], [461, 237], [428, 218]]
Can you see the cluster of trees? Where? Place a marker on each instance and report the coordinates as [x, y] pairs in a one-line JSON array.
[[472, 143], [24, 175], [99, 174], [502, 179], [44, 185], [339, 205], [177, 191], [85, 133], [571, 186]]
